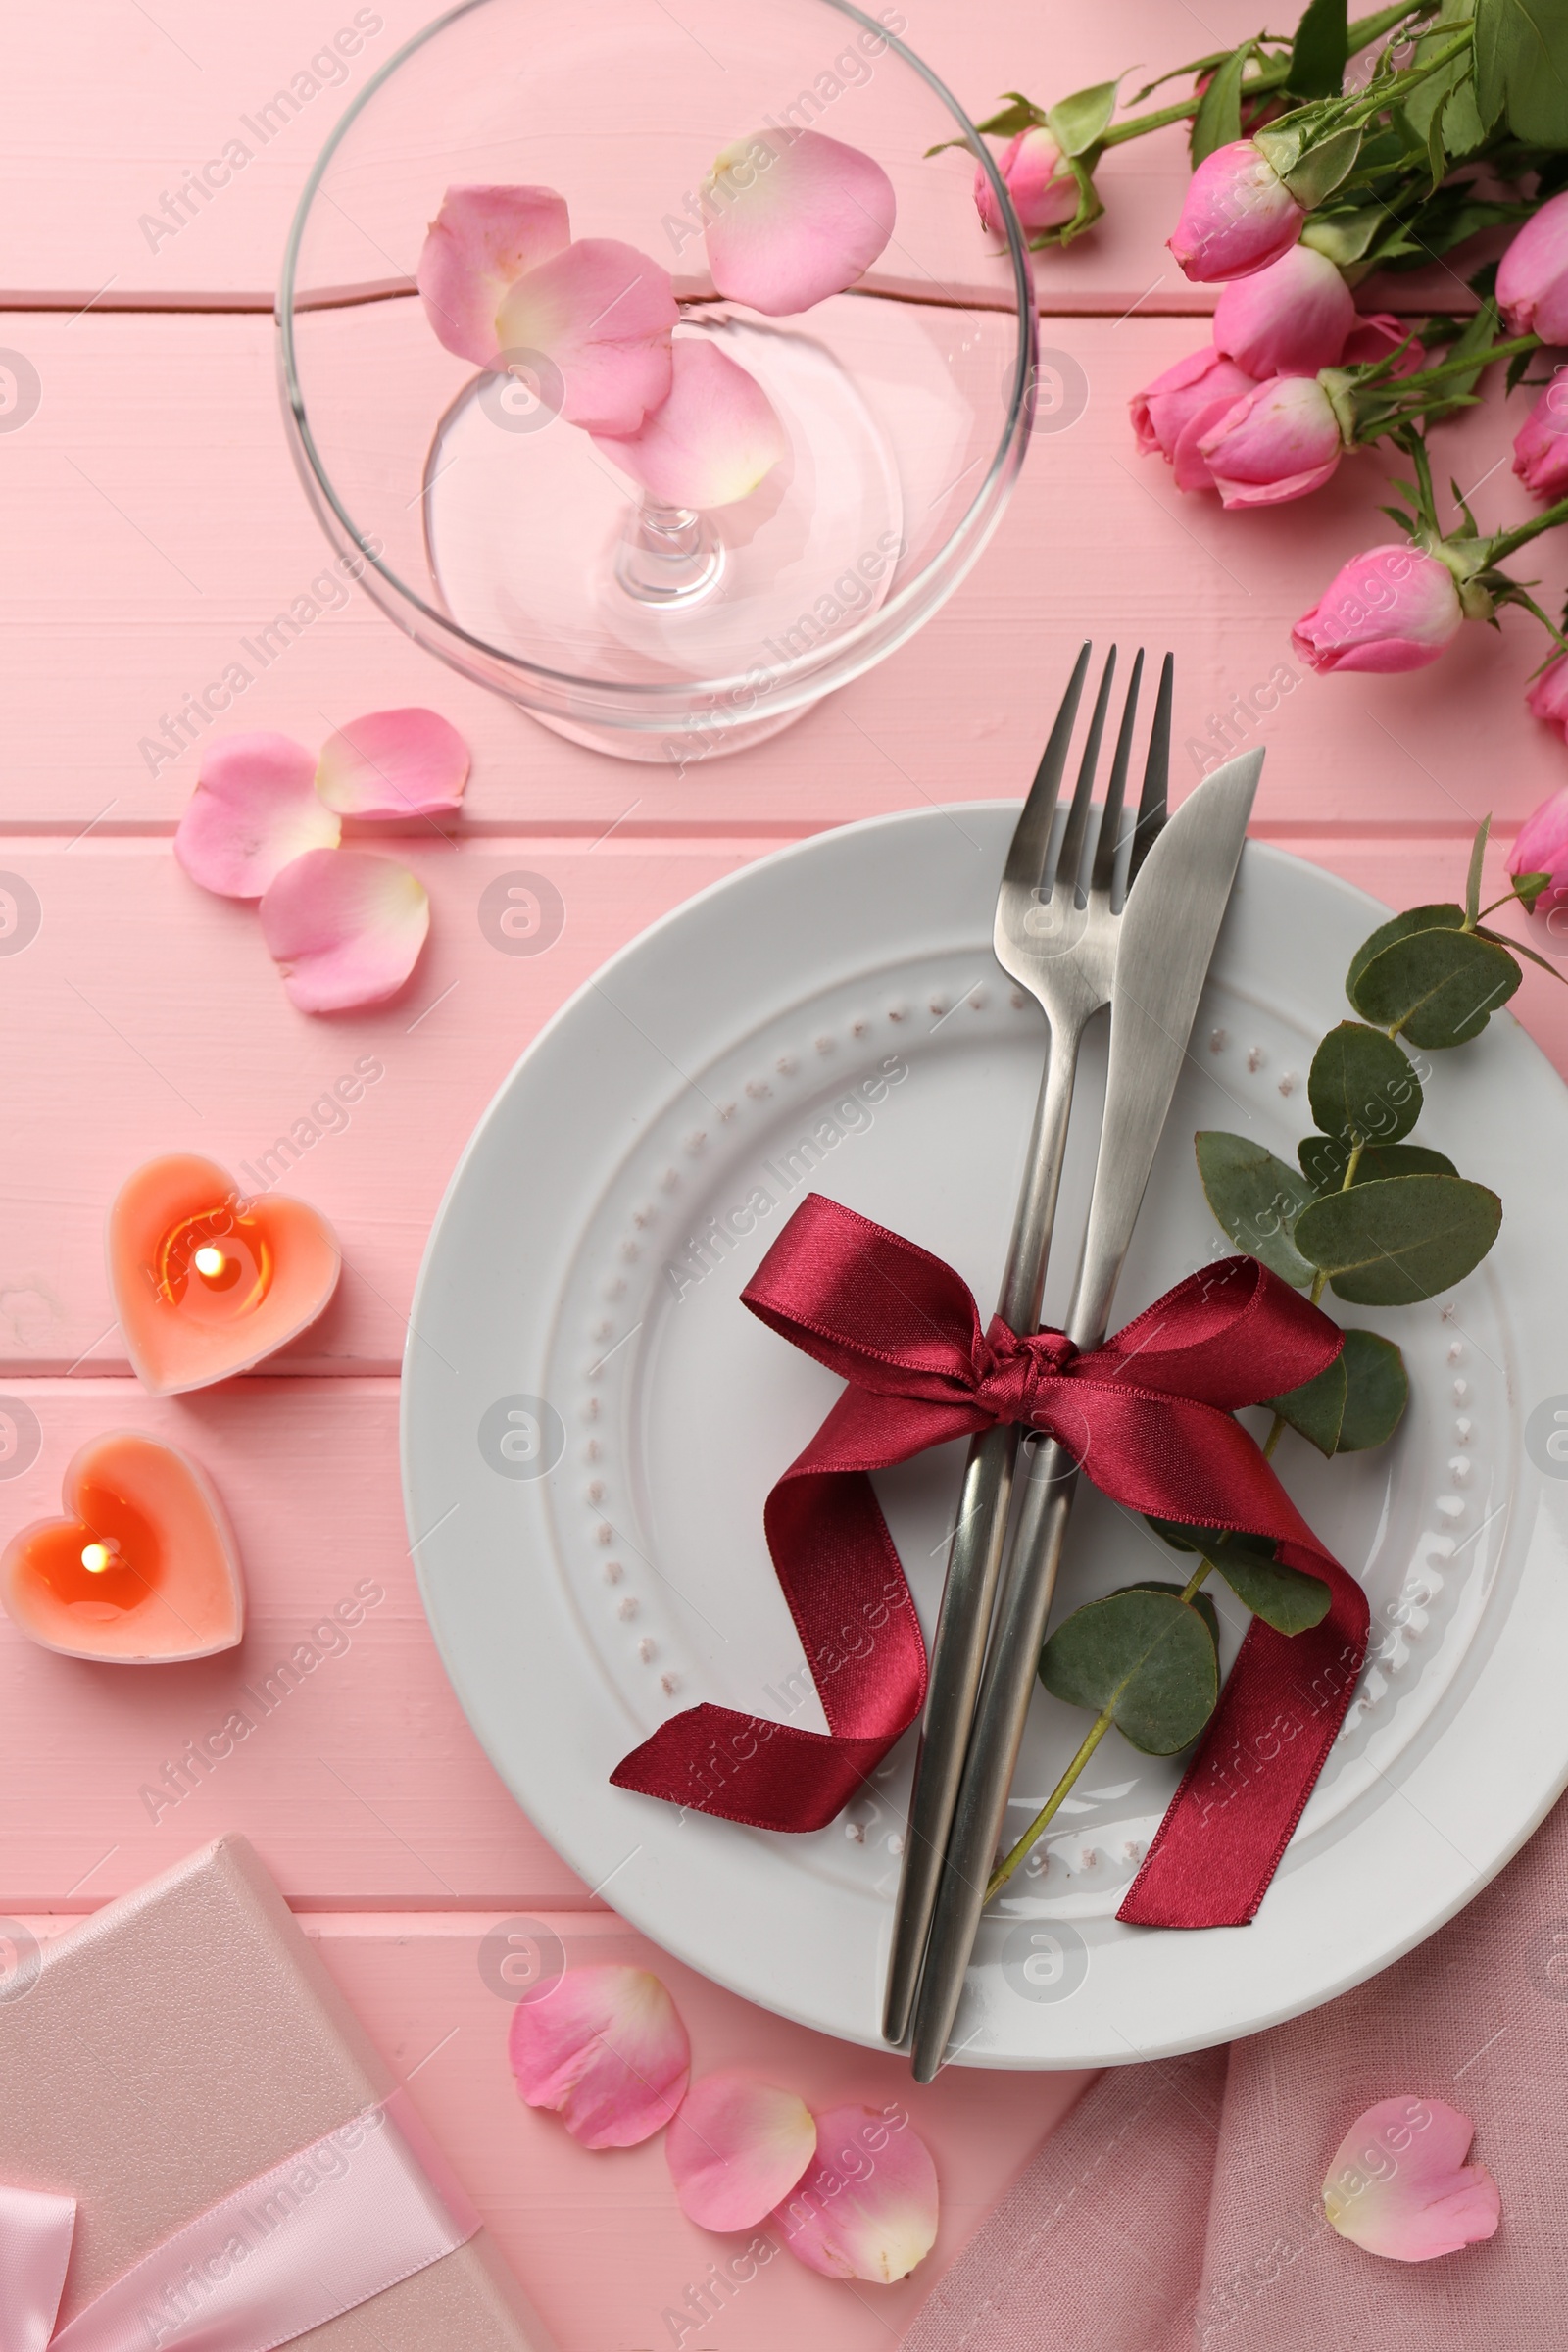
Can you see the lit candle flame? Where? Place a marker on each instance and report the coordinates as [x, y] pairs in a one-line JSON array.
[[210, 1262], [96, 1558]]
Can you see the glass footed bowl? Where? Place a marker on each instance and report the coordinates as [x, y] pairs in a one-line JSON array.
[[500, 537]]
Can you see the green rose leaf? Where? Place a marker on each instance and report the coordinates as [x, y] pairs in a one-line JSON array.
[[1435, 982], [1377, 1390], [1325, 1160], [1076, 122], [1287, 1599], [1144, 1658], [1323, 167], [1362, 1087], [1256, 1199], [1218, 120], [1521, 70], [1401, 1240], [1021, 115], [1317, 1408], [1320, 51]]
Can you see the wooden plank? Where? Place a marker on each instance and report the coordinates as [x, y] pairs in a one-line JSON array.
[[161, 1004], [358, 1777], [165, 529], [598, 2238], [158, 96]]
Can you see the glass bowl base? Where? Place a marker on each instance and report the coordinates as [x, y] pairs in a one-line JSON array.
[[527, 521]]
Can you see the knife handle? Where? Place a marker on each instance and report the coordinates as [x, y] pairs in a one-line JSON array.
[[974, 1559], [997, 1734]]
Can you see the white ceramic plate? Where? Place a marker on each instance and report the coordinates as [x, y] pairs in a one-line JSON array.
[[592, 1422]]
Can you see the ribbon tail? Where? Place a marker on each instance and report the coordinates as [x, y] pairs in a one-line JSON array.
[[1225, 1830], [772, 1776], [36, 2233]]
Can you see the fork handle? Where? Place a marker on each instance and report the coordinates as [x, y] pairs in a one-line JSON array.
[[998, 1728], [974, 1556]]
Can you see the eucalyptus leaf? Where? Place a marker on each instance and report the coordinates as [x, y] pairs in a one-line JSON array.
[[1256, 1199], [1377, 1390], [1201, 1601], [1325, 1160], [1076, 122], [1401, 1240], [1437, 984], [1287, 1599], [1144, 1658], [1218, 120], [1361, 1085], [1521, 68], [1444, 917], [1317, 1409], [1320, 51]]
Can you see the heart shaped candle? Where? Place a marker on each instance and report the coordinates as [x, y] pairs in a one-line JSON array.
[[142, 1570], [206, 1283]]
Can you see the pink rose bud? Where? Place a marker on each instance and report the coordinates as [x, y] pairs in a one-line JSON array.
[[1542, 847], [1044, 194], [1374, 335], [1541, 445], [1172, 413], [1279, 441], [1533, 275], [1389, 608], [1239, 215], [1547, 699], [1290, 319]]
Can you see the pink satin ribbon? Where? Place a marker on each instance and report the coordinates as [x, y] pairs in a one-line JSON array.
[[327, 2229]]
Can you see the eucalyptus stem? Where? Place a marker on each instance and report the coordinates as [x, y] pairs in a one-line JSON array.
[[1096, 1732]]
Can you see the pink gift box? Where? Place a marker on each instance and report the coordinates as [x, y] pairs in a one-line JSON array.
[[182, 2042]]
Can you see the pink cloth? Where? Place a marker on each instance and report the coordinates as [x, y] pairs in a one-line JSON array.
[[1178, 2207]]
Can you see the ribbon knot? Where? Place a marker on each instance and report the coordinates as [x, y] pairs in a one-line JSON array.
[[1149, 1417], [1013, 1371]]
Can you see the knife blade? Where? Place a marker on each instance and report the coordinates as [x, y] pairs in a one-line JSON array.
[[1167, 940]]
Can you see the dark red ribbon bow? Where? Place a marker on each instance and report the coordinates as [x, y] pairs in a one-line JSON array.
[[1148, 1417]]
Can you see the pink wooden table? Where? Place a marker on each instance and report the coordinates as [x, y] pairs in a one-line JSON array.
[[153, 520]]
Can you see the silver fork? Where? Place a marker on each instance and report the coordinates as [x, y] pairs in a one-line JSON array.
[[1054, 935]]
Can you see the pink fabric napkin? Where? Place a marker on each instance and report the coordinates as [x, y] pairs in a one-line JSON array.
[[1178, 2207]]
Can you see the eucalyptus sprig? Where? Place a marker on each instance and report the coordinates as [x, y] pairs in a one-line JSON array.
[[1371, 1216]]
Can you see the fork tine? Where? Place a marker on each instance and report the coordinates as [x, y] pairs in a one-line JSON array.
[[1031, 840], [1070, 857], [1151, 804], [1107, 840]]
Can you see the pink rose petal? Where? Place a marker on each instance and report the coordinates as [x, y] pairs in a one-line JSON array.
[[481, 242], [737, 2147], [394, 764], [254, 810], [605, 2048], [346, 927], [713, 440], [1399, 2187], [602, 314], [867, 2206], [797, 217]]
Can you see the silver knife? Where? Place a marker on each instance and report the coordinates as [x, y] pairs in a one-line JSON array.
[[1167, 938]]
